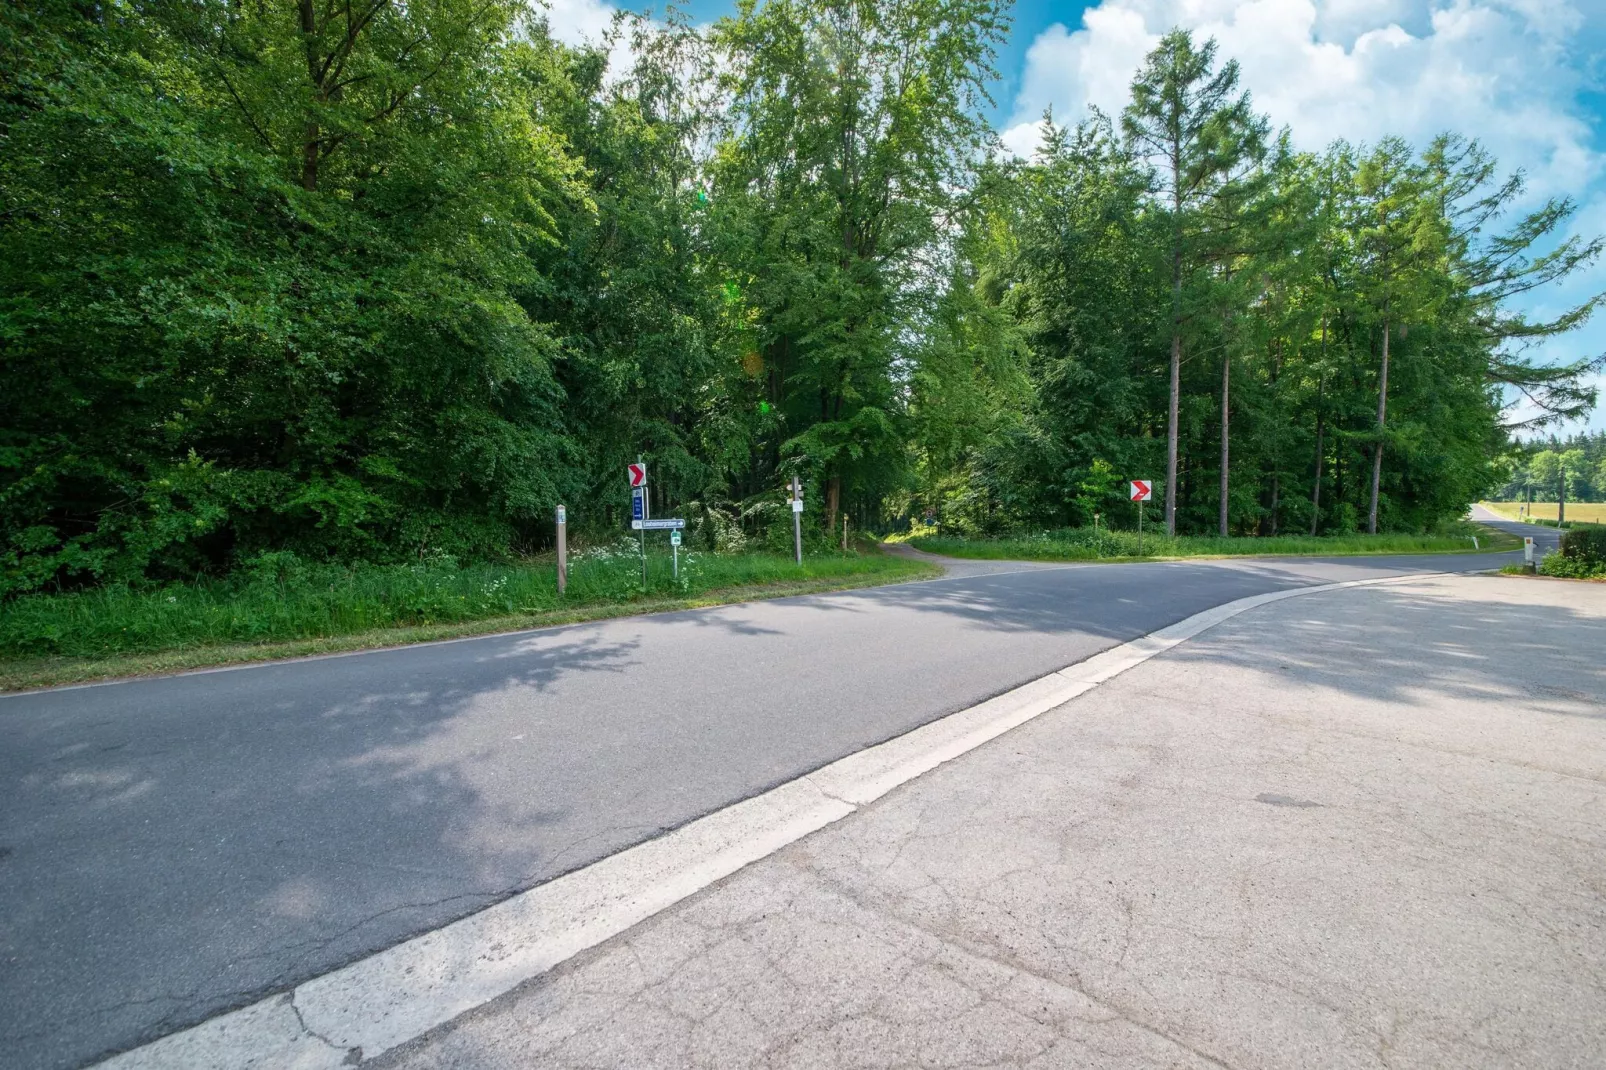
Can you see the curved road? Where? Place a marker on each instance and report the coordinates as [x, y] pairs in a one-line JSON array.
[[174, 847]]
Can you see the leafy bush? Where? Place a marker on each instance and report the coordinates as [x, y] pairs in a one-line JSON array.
[[1582, 556], [1093, 544]]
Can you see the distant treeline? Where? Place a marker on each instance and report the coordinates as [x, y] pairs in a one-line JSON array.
[[383, 282]]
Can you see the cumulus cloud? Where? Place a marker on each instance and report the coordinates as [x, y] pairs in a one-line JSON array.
[[576, 22], [1508, 72]]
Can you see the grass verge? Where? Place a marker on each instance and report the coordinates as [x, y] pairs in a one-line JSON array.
[[1086, 544], [46, 640]]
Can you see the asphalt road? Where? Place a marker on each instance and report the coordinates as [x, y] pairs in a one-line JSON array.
[[174, 847]]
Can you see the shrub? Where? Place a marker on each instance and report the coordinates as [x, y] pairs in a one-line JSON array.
[[1583, 553]]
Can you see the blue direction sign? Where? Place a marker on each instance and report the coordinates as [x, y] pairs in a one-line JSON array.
[[657, 525], [638, 504]]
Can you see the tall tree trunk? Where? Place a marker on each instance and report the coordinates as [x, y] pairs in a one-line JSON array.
[[1176, 344], [1382, 413], [1226, 387], [310, 136], [1316, 490], [1276, 499], [833, 502]]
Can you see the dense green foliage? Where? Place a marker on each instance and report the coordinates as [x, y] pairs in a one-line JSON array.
[[1582, 554], [385, 283]]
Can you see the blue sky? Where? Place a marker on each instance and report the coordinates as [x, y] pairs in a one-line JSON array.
[[1526, 77]]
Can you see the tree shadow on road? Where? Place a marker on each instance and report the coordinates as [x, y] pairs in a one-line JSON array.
[[1410, 644]]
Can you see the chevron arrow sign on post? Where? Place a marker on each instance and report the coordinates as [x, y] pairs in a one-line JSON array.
[[1141, 490]]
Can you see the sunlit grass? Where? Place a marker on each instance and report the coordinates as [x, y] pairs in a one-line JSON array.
[[1088, 544], [300, 602], [1579, 512]]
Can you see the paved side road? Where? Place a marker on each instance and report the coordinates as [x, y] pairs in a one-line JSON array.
[[1545, 539], [1355, 829]]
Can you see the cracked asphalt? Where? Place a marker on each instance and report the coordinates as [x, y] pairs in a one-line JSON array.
[[1359, 829], [172, 848]]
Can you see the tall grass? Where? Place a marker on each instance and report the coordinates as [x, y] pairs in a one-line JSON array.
[[285, 599], [1089, 544]]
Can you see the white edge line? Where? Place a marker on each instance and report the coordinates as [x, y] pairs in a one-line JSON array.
[[381, 1002]]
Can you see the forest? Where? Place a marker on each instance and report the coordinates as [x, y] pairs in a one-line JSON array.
[[355, 280]]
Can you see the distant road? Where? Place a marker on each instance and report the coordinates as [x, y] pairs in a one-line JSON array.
[[1545, 539], [173, 847]]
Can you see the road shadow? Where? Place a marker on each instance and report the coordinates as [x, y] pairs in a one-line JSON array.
[[1408, 644], [172, 852]]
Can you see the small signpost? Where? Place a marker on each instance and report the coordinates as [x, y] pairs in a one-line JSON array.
[[1142, 491], [563, 551], [641, 518], [637, 474], [797, 520]]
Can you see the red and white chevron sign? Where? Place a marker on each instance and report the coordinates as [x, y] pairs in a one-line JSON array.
[[638, 474], [1142, 489]]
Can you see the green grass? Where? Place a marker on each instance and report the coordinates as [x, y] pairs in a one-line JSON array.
[[295, 610], [1086, 544]]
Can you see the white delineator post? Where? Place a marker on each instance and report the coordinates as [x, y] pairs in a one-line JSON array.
[[797, 521], [563, 551], [1528, 552]]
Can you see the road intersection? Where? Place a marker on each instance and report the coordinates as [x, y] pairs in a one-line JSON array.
[[180, 846]]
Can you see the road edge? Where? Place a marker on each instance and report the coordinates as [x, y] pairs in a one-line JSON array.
[[381, 1002], [198, 661]]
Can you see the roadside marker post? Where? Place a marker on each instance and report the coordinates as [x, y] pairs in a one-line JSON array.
[[674, 551], [1142, 490], [797, 520], [1528, 552], [637, 474], [563, 551]]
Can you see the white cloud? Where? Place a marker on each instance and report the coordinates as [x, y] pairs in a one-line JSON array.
[[576, 22], [1507, 72]]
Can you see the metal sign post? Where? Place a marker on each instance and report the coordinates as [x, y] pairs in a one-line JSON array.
[[563, 551], [797, 520], [638, 508], [674, 551], [1141, 490]]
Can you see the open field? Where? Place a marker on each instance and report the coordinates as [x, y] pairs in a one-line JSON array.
[[1087, 544], [1579, 512], [51, 639]]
